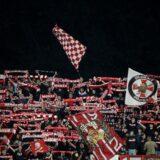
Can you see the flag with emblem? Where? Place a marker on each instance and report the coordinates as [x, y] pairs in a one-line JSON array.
[[38, 146], [101, 139], [140, 89], [72, 47]]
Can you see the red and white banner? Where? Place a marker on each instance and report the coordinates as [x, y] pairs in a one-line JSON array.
[[37, 126], [45, 96], [59, 85], [148, 122], [107, 79], [100, 138], [10, 157], [7, 130], [28, 85], [73, 48], [20, 105], [62, 80]]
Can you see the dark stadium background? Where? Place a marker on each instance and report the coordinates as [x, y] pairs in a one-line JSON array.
[[118, 34]]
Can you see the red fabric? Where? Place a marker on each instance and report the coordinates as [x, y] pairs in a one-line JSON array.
[[1, 81], [7, 157], [42, 147], [71, 101], [102, 139], [36, 87], [61, 80], [44, 96], [107, 79]]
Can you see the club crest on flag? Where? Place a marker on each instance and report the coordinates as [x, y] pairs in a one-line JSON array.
[[101, 139], [95, 133], [38, 146], [140, 89]]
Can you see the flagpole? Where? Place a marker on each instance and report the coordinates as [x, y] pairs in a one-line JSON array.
[[79, 73]]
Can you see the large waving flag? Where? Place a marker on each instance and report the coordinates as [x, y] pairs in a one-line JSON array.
[[100, 138], [140, 89], [73, 48]]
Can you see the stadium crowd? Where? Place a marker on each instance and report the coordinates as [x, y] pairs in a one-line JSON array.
[[34, 107]]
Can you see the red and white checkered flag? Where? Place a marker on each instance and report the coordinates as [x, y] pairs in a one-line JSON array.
[[73, 48]]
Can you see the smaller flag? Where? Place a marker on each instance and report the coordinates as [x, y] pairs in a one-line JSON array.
[[38, 146], [140, 89], [73, 48]]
